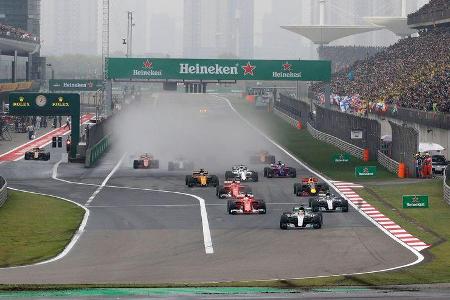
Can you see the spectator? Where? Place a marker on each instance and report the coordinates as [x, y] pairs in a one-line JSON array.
[[413, 73]]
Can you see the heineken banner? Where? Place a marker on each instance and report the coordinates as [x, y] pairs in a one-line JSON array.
[[218, 69], [415, 201], [341, 158], [365, 171], [79, 85]]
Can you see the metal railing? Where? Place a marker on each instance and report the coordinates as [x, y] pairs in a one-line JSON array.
[[387, 162], [343, 145], [3, 191], [446, 186]]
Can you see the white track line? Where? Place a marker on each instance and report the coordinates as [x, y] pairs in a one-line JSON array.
[[105, 181], [207, 240], [419, 256], [74, 239]]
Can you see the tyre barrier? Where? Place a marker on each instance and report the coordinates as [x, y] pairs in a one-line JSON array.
[[3, 191]]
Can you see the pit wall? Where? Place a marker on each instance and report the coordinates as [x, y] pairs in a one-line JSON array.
[[3, 191], [446, 185]]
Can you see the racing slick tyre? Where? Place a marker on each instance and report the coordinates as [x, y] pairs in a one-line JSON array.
[[135, 164], [230, 206], [265, 171], [255, 176], [314, 204], [220, 190], [46, 156], [270, 159], [269, 173], [284, 222], [229, 175], [214, 180], [317, 225], [191, 181], [170, 166], [186, 179], [297, 188], [155, 164], [262, 205], [293, 172], [310, 200], [27, 156], [344, 205]]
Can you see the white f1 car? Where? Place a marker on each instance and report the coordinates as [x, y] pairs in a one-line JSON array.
[[241, 173]]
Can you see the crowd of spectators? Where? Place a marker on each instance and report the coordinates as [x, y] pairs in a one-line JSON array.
[[16, 33], [434, 10], [342, 57], [412, 73]]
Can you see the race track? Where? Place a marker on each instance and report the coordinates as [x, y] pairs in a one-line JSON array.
[[149, 234]]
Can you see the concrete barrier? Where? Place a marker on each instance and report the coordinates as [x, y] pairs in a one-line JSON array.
[[446, 186], [3, 191]]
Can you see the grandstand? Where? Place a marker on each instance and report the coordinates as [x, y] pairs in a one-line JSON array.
[[434, 12], [342, 57], [413, 73]]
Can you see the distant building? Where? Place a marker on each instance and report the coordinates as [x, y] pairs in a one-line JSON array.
[[26, 15], [162, 42], [71, 27], [215, 28]]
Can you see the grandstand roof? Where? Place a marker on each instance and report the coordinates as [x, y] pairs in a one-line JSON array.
[[325, 34], [22, 46], [397, 25]]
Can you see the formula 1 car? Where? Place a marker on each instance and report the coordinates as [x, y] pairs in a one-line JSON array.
[[201, 178], [232, 189], [279, 170], [241, 173], [311, 187], [301, 217], [146, 161], [37, 154], [180, 164], [263, 157], [328, 202], [246, 204]]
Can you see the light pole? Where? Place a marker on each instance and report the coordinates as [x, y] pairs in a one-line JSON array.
[[129, 39]]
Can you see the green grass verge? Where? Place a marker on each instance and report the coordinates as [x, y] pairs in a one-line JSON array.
[[35, 228], [300, 143]]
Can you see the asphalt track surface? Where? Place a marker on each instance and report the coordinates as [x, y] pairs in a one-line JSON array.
[[143, 236]]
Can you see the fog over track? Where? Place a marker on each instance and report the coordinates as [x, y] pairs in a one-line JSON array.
[[142, 236]]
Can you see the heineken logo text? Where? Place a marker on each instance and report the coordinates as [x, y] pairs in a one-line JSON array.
[[147, 73], [214, 69], [286, 75]]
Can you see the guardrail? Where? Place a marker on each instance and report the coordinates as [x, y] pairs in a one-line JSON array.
[[94, 153], [446, 186], [343, 145], [387, 162], [3, 191], [285, 116]]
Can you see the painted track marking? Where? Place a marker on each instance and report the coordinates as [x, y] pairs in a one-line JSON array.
[[365, 214], [74, 239], [105, 181]]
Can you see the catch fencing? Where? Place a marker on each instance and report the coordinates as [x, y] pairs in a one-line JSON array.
[[446, 185], [405, 144], [341, 125], [286, 116], [3, 191], [296, 108], [343, 145]]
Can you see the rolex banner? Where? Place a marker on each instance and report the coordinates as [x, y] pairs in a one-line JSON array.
[[217, 69]]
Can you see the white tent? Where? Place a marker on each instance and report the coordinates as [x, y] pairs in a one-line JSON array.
[[430, 147]]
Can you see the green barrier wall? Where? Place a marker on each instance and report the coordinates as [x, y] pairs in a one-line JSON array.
[[94, 153]]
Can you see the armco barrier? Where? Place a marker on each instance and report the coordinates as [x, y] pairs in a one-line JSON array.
[[446, 187], [343, 145], [283, 115], [94, 153], [388, 162], [3, 191]]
